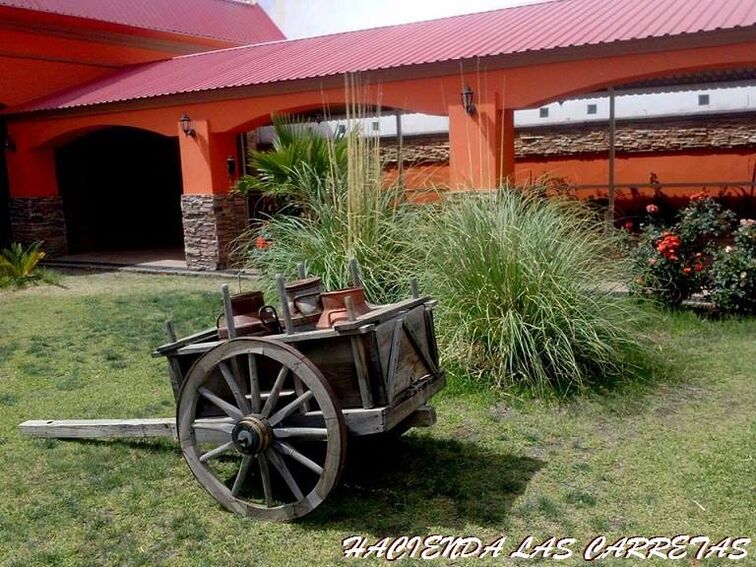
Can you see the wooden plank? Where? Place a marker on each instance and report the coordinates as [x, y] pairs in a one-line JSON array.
[[393, 361], [361, 369], [191, 339], [100, 428], [148, 428], [381, 314]]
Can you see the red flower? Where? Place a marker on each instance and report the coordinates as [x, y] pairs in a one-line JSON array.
[[652, 209], [686, 270], [668, 246], [698, 266], [629, 225], [261, 243]]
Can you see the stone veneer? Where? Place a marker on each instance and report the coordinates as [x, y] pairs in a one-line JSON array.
[[39, 219], [211, 225], [658, 135]]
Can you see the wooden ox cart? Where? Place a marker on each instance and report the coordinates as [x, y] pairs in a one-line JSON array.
[[263, 421]]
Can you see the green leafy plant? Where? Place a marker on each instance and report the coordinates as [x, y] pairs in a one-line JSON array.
[[733, 273], [671, 264], [19, 265], [301, 159], [345, 213], [524, 289]]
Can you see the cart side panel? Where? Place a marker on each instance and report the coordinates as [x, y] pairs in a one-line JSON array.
[[333, 357], [405, 354]]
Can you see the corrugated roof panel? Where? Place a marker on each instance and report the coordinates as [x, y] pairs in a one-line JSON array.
[[535, 27], [236, 22]]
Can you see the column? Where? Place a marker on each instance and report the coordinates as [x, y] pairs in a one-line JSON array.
[[481, 145], [213, 216], [35, 207]]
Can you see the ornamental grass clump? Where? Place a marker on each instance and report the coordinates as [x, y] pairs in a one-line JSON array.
[[525, 293], [340, 212]]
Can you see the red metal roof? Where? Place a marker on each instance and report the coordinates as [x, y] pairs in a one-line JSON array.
[[236, 22], [535, 27]]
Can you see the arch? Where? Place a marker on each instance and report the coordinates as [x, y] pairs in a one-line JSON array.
[[120, 189]]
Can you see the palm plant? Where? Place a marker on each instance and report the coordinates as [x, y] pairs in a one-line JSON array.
[[301, 159], [19, 265]]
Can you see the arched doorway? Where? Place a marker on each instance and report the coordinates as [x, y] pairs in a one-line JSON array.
[[121, 190]]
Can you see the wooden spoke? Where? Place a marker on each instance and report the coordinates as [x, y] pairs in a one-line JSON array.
[[224, 426], [221, 404], [206, 419], [316, 433], [241, 476], [288, 409], [254, 384], [272, 400], [217, 452], [285, 473], [289, 451], [299, 388], [233, 385], [265, 476]]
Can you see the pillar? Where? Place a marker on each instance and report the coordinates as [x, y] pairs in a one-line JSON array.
[[213, 216], [35, 206], [481, 145]]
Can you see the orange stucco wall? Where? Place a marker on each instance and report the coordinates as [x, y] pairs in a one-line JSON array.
[[698, 168], [43, 53]]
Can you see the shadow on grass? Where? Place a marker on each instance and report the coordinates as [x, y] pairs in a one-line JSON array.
[[411, 484]]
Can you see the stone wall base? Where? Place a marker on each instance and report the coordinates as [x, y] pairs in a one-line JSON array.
[[39, 219], [211, 225]]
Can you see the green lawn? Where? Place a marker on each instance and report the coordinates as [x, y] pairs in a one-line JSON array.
[[676, 457]]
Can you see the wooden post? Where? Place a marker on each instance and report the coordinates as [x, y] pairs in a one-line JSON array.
[[354, 267], [170, 332], [228, 312], [301, 273], [349, 304], [281, 285], [414, 288]]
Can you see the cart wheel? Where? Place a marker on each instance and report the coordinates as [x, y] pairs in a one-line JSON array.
[[260, 429]]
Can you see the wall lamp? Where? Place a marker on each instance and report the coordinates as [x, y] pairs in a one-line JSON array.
[[9, 144], [186, 125], [467, 100], [231, 166]]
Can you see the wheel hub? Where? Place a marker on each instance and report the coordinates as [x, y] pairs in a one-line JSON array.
[[251, 435]]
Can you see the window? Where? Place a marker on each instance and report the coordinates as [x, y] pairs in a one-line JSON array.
[[376, 126], [543, 112], [703, 100], [591, 109], [341, 129]]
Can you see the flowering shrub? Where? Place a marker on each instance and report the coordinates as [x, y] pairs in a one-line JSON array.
[[672, 264], [733, 273]]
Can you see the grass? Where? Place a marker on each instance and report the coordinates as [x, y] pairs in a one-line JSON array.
[[522, 284], [666, 458]]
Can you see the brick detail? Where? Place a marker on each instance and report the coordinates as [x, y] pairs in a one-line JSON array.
[[663, 135], [40, 218], [211, 225], [639, 136]]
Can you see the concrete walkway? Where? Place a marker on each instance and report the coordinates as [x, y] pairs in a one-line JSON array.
[[155, 261]]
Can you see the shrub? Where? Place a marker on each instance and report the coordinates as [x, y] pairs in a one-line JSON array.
[[19, 266], [672, 264], [347, 214], [524, 294], [733, 273], [300, 160]]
